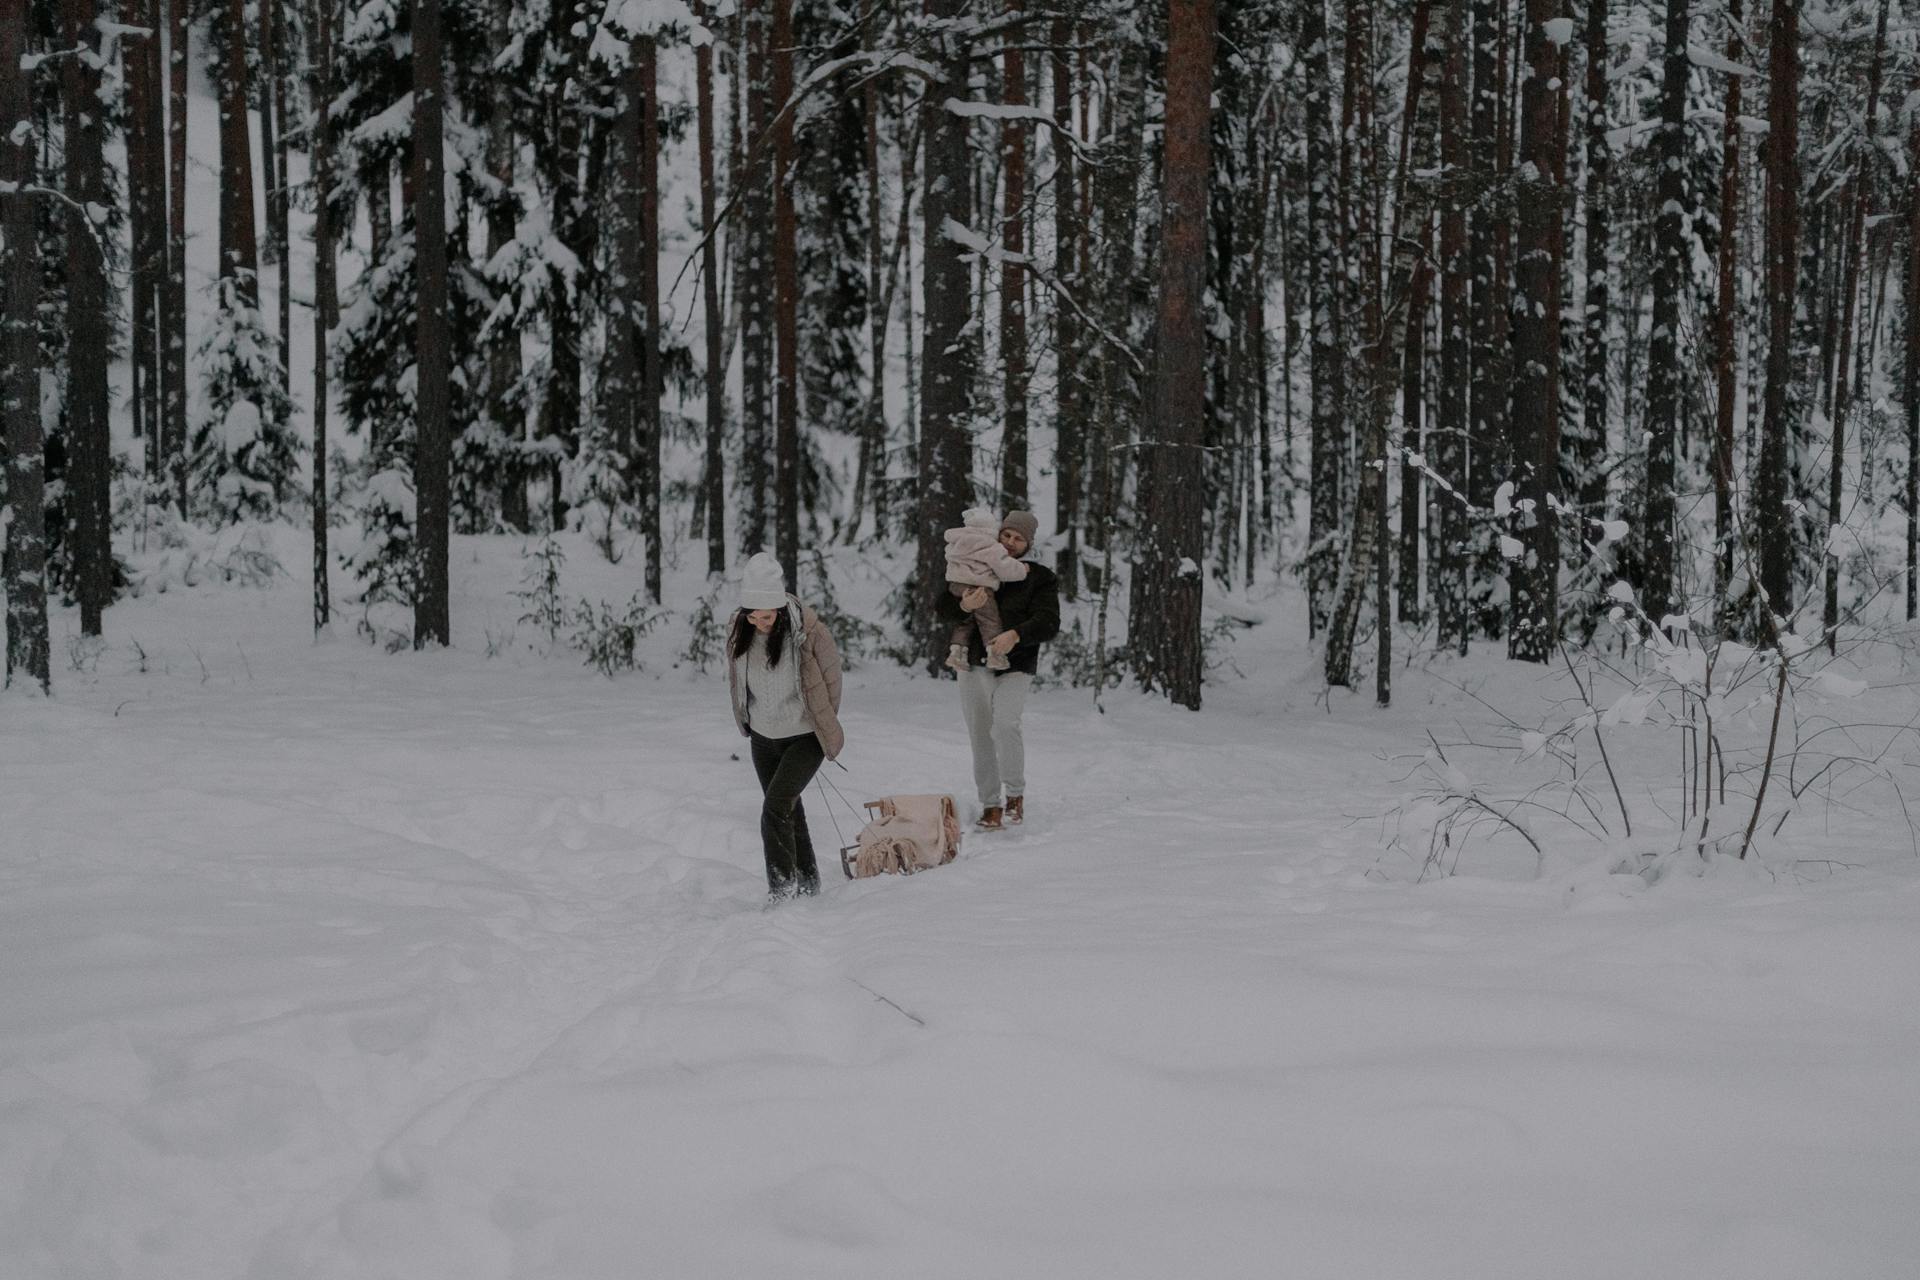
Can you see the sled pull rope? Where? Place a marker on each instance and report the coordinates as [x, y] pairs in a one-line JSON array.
[[825, 784], [840, 796]]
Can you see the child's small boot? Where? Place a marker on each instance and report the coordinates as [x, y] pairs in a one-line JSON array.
[[957, 657]]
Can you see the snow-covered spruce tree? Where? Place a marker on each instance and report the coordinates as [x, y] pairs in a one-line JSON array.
[[374, 346], [376, 379], [245, 456], [242, 452], [616, 482]]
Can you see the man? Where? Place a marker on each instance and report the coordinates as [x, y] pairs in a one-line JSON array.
[[992, 701]]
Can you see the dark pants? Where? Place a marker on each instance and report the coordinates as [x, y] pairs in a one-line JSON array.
[[786, 766]]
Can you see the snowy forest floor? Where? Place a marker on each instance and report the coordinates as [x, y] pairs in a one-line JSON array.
[[323, 962]]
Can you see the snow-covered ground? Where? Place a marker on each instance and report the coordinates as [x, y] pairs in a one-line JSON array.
[[327, 963]]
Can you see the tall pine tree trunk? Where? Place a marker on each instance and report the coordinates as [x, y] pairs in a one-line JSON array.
[[23, 567], [1664, 394], [503, 347], [146, 214], [1773, 521], [622, 386], [755, 230], [786, 305], [239, 242], [1590, 447], [173, 340], [89, 329], [646, 52], [1449, 455], [1166, 635], [1013, 279], [946, 369], [273, 159], [714, 476], [432, 446], [1366, 537], [1412, 277], [1725, 314], [1859, 195], [1488, 444], [1327, 356], [320, 93], [1536, 347], [1069, 430]]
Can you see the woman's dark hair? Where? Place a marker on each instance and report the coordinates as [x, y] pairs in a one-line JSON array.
[[743, 634]]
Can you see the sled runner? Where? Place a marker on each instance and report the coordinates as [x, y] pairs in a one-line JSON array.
[[904, 834]]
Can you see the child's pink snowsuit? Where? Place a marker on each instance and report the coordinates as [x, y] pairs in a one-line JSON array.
[[975, 558]]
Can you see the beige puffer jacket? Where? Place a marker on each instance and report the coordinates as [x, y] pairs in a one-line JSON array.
[[819, 676]]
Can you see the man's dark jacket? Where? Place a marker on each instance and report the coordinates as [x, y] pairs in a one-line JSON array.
[[1030, 606]]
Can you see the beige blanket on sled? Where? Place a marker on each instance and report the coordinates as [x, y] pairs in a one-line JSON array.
[[908, 834]]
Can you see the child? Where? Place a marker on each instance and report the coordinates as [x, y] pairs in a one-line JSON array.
[[975, 558]]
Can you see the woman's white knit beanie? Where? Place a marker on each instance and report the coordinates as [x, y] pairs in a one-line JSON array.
[[762, 586]]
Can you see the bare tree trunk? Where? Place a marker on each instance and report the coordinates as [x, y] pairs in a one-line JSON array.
[[1536, 340], [947, 365], [279, 199], [1267, 162], [1414, 433], [321, 86], [786, 306], [1589, 449], [1013, 279], [646, 52], [1725, 385], [273, 158], [146, 214], [714, 477], [1412, 275], [261, 91], [1069, 446], [755, 230], [869, 483], [23, 569], [89, 331], [1449, 454], [1366, 538], [1327, 356], [1491, 381], [1663, 355], [1771, 517], [239, 243], [503, 348], [432, 447], [1166, 637], [1849, 295], [173, 341]]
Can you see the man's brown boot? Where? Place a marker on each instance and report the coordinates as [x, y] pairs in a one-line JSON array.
[[1016, 810], [989, 820]]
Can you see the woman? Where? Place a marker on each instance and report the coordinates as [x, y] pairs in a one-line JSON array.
[[784, 674]]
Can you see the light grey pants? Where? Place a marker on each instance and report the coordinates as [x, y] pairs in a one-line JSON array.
[[992, 705]]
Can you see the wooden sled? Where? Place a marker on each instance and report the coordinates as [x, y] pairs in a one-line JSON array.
[[904, 834]]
